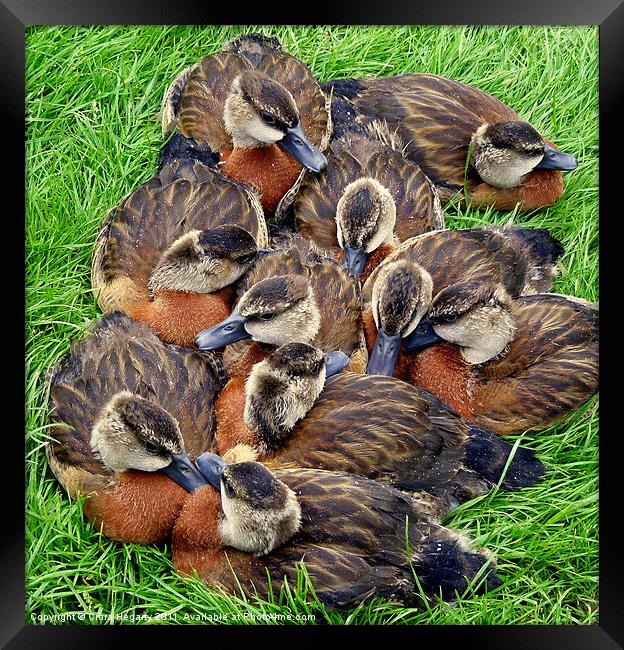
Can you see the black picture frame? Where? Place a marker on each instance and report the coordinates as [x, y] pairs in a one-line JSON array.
[[15, 15]]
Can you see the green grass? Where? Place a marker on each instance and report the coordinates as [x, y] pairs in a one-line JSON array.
[[93, 101]]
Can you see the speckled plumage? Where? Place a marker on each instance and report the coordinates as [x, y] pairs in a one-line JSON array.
[[352, 539]]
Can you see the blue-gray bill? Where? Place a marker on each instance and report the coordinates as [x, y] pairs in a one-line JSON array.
[[335, 362], [232, 329], [300, 148], [354, 260], [385, 354], [211, 467], [555, 159], [422, 337], [184, 473]]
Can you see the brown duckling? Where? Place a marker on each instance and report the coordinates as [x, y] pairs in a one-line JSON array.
[[357, 537], [506, 365], [523, 260], [463, 139], [294, 293], [127, 411], [169, 254], [259, 109], [377, 427], [369, 200]]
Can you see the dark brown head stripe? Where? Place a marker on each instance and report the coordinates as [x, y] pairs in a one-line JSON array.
[[226, 241]]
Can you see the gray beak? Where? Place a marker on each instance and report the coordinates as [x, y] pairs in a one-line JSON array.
[[211, 467], [354, 260], [385, 354], [554, 159], [232, 329], [301, 149], [184, 473], [335, 362], [422, 337]]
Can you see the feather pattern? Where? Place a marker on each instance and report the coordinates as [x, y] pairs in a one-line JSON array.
[[183, 196]]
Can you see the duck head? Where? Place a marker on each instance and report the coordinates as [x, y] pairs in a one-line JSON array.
[[504, 152], [204, 261], [133, 433], [284, 387], [365, 218], [258, 512], [401, 296], [259, 111], [477, 318], [276, 310]]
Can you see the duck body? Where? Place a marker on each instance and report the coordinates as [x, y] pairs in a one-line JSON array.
[[438, 119], [121, 355], [197, 106], [185, 199], [380, 428], [351, 536], [358, 157], [548, 369]]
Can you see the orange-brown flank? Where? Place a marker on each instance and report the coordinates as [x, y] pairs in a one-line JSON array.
[[270, 169], [177, 317], [142, 507]]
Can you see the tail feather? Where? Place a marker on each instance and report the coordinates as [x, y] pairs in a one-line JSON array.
[[487, 455], [446, 567]]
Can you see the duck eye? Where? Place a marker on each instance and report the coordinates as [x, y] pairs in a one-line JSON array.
[[269, 119], [267, 316], [229, 488], [449, 318], [151, 447]]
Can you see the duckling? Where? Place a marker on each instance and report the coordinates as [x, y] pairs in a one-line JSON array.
[[467, 142], [259, 109], [126, 412], [295, 293], [507, 365], [377, 427], [370, 199], [523, 260], [251, 529], [169, 254]]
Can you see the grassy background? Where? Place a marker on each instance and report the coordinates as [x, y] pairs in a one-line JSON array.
[[93, 101]]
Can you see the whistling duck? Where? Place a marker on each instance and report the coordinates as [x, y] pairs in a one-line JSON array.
[[506, 365], [524, 260], [170, 252], [258, 109], [356, 537], [377, 427], [369, 199], [294, 294], [127, 411], [465, 140]]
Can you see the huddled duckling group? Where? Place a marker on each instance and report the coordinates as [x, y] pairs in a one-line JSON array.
[[324, 389]]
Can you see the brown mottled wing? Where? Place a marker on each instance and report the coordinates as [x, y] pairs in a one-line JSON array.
[[550, 368], [339, 578], [477, 255], [118, 354], [436, 116], [380, 428], [200, 114], [147, 222], [414, 195]]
